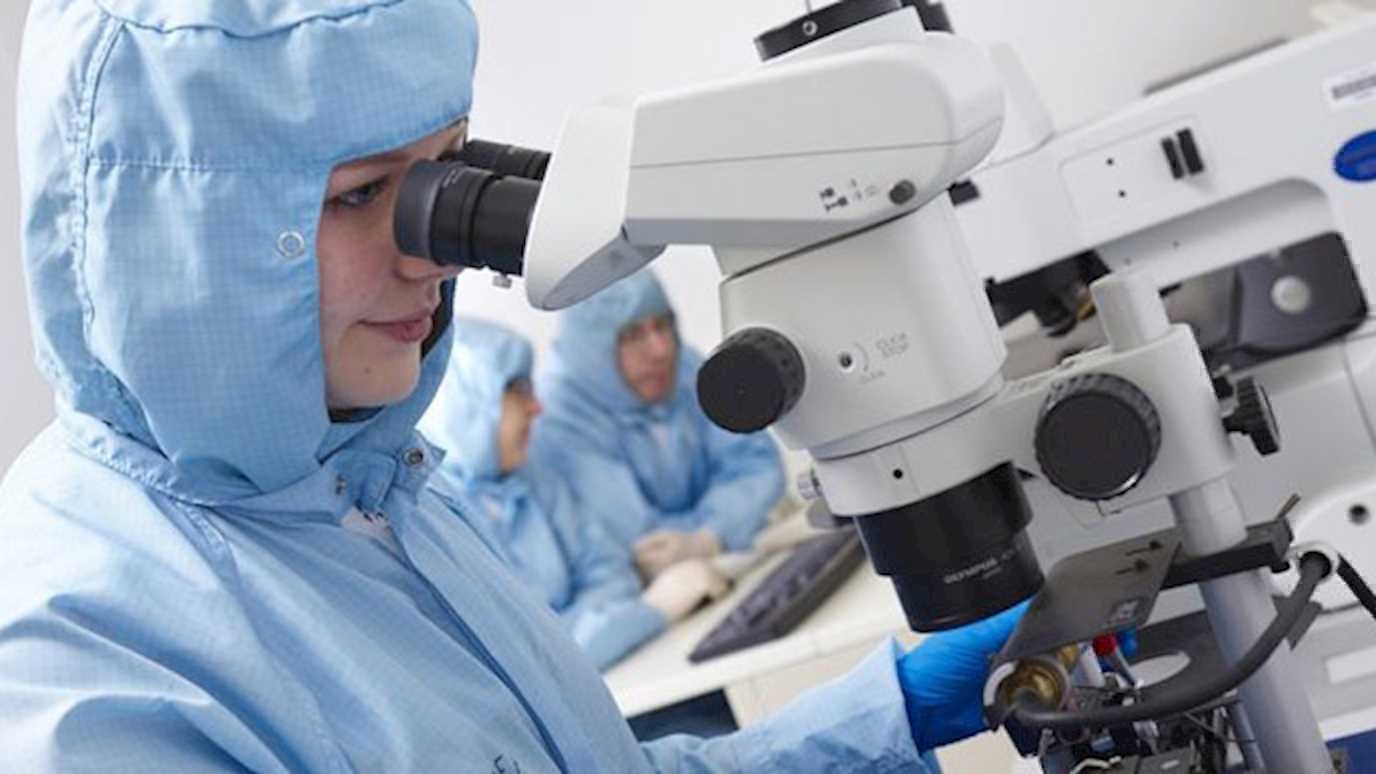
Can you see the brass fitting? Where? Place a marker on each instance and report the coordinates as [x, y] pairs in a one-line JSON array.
[[1045, 676]]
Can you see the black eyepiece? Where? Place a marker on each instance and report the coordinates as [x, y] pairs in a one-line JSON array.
[[471, 208], [453, 213], [505, 160]]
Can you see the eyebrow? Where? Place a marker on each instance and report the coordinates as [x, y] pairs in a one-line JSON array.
[[380, 158], [398, 154]]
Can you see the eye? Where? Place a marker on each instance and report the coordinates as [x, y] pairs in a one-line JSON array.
[[452, 152], [361, 196]]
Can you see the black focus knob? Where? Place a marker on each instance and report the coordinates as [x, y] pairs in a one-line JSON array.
[[1097, 436], [1254, 418], [751, 380]]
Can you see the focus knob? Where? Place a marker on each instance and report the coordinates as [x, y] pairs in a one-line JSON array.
[[751, 380], [1253, 417], [1097, 436]]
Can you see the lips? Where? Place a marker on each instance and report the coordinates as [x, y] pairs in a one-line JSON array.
[[408, 331]]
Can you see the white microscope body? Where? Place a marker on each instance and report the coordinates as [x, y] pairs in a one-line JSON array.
[[1279, 136], [818, 144], [819, 180]]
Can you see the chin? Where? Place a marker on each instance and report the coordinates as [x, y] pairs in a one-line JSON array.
[[369, 391], [657, 393], [397, 394]]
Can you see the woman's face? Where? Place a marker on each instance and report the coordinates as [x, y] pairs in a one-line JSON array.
[[376, 305], [520, 407]]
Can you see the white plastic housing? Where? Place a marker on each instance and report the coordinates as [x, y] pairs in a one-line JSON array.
[[1169, 370], [576, 244], [893, 327], [805, 149], [1268, 128], [750, 162]]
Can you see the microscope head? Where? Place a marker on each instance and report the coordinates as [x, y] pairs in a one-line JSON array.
[[861, 125], [577, 241], [853, 315]]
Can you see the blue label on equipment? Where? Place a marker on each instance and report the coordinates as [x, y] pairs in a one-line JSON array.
[[1357, 160]]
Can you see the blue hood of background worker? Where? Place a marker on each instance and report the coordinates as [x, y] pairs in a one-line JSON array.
[[576, 568], [185, 589], [642, 467]]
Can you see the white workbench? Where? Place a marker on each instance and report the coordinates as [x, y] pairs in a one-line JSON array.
[[847, 626]]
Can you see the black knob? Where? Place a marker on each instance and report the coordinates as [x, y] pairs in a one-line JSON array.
[[1254, 418], [1097, 436], [751, 380], [1223, 388]]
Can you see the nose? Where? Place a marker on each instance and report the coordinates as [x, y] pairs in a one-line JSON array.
[[423, 269], [535, 408], [661, 343]]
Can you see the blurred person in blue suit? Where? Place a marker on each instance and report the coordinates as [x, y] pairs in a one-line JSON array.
[[624, 424], [482, 417]]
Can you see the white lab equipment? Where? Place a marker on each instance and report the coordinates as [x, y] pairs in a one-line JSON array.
[[857, 327]]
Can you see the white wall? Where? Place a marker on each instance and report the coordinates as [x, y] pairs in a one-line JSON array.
[[1090, 56], [25, 400]]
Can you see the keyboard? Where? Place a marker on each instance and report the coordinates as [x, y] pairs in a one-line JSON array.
[[788, 594]]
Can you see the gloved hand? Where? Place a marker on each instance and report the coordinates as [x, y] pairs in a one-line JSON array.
[[681, 588], [661, 548], [943, 679]]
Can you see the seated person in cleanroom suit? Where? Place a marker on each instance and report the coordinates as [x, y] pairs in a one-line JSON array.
[[624, 426], [482, 417], [223, 555]]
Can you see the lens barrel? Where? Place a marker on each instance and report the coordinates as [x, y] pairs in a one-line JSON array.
[[453, 213], [958, 556], [505, 160]]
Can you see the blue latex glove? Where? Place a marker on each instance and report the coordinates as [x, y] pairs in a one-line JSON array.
[[943, 679]]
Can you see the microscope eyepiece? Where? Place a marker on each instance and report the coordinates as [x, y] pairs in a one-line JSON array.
[[472, 208], [505, 160]]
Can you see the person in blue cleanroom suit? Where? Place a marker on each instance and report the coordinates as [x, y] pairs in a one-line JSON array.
[[482, 418], [624, 426], [223, 555]]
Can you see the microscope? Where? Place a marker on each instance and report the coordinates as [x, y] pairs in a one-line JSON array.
[[859, 329]]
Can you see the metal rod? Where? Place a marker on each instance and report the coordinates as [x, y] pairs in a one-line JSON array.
[[1239, 608], [1246, 738]]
